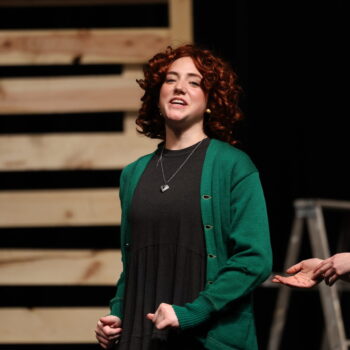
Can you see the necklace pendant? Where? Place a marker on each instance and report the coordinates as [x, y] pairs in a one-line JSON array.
[[164, 188]]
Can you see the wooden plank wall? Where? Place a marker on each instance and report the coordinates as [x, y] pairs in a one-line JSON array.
[[39, 218]]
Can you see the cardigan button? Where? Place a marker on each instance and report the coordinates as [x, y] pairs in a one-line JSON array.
[[212, 256], [210, 282], [127, 245], [208, 227], [206, 196]]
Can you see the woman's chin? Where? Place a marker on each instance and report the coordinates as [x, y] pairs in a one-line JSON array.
[[176, 118]]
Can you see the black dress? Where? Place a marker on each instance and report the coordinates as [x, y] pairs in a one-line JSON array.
[[167, 260]]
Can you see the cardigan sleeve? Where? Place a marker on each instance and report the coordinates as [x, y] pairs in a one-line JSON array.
[[250, 261], [116, 303]]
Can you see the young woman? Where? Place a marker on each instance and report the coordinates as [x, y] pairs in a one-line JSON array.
[[194, 231]]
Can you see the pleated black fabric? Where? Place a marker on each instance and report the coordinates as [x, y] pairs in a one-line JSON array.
[[167, 261]]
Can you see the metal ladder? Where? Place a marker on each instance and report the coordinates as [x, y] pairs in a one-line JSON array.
[[310, 211]]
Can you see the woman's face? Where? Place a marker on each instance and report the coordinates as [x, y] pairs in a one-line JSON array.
[[182, 100]]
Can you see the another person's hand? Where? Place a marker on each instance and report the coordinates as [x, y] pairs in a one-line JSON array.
[[108, 330], [303, 277], [164, 316], [333, 268]]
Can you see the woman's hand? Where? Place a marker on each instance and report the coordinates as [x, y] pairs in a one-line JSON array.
[[304, 276], [333, 268], [165, 316], [108, 330]]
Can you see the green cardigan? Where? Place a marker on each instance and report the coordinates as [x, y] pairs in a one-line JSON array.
[[237, 240]]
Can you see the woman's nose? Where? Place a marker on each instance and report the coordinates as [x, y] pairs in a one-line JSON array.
[[180, 87]]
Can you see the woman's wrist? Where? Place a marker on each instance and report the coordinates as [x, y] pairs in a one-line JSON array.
[[192, 314]]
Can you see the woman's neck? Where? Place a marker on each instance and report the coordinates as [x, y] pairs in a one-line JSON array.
[[179, 139]]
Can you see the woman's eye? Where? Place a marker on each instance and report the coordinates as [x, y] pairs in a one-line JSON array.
[[169, 80], [194, 83]]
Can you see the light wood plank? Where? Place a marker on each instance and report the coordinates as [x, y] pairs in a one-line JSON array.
[[49, 325], [69, 94], [19, 3], [180, 19], [59, 208], [81, 46], [59, 267], [74, 151]]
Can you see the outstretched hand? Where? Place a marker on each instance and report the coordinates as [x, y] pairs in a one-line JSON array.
[[164, 316], [303, 274]]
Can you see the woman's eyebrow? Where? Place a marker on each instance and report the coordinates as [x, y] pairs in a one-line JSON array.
[[188, 74]]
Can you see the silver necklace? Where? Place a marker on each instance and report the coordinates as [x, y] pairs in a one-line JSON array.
[[166, 186]]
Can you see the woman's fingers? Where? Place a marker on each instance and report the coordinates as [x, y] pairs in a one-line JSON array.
[[329, 272], [101, 335], [280, 279], [164, 316], [276, 279], [150, 316], [102, 340], [325, 271], [290, 281], [295, 268], [100, 325], [332, 279], [163, 324], [111, 320], [107, 337], [330, 276], [108, 331], [322, 267], [111, 332], [299, 280]]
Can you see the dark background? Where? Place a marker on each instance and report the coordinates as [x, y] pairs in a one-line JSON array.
[[292, 62]]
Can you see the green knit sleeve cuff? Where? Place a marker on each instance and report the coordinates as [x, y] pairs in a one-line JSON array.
[[193, 314], [116, 308]]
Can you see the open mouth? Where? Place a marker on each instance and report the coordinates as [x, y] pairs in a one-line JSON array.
[[178, 101]]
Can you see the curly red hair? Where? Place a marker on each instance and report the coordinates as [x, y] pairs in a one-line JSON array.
[[219, 83]]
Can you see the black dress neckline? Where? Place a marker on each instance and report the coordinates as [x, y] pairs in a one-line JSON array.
[[180, 152]]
